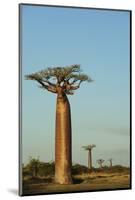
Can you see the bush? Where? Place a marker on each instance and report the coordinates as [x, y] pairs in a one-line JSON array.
[[36, 168], [79, 169]]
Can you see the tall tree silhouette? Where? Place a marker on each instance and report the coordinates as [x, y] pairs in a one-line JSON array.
[[61, 81], [89, 149], [100, 162], [110, 160]]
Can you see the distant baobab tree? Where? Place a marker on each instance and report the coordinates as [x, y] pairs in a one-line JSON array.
[[100, 162], [61, 81], [89, 149], [110, 160]]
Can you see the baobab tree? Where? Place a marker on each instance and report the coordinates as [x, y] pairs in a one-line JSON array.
[[100, 162], [110, 160], [89, 149], [62, 81]]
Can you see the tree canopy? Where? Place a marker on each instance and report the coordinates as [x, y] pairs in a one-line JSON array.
[[100, 161], [65, 79], [89, 147]]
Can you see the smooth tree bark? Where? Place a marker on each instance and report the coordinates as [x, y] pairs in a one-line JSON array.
[[62, 81], [63, 144]]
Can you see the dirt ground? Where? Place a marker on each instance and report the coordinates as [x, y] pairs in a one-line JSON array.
[[85, 182]]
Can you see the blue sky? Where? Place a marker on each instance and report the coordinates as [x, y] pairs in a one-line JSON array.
[[99, 41]]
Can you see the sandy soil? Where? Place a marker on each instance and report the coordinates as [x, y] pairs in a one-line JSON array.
[[85, 182]]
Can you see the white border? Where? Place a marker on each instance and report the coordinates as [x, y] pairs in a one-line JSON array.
[[9, 97]]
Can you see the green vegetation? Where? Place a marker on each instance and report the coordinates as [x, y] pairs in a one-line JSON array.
[[39, 177], [37, 168]]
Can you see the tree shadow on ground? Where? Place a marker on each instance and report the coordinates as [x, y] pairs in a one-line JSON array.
[[77, 180]]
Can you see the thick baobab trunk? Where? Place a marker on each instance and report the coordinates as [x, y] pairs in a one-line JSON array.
[[89, 160], [63, 157]]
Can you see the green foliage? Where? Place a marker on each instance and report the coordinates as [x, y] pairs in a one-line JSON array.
[[113, 169], [120, 168], [60, 73], [37, 168], [68, 78], [33, 166], [47, 169], [79, 169]]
